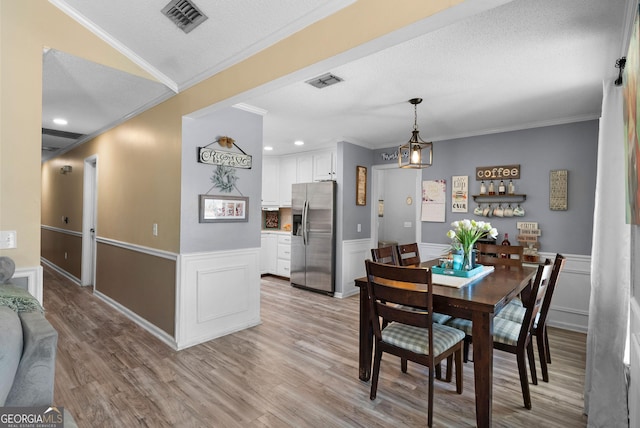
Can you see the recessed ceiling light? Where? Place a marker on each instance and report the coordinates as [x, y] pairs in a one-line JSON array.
[[268, 148], [299, 143], [60, 121]]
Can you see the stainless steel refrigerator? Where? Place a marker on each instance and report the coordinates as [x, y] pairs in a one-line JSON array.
[[313, 255]]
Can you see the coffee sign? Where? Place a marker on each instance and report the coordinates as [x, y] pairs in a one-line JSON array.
[[497, 172]]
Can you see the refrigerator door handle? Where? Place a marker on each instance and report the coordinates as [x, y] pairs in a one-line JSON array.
[[305, 212]]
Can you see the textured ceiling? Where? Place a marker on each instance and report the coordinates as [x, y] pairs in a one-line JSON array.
[[233, 31], [496, 66], [520, 65]]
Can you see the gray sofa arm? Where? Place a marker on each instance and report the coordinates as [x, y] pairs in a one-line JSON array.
[[34, 381]]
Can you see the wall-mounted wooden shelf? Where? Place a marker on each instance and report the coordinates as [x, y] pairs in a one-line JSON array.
[[500, 198]]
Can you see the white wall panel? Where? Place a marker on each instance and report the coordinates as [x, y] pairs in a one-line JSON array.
[[354, 253], [218, 294]]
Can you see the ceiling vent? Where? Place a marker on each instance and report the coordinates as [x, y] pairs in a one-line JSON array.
[[184, 14], [324, 80]]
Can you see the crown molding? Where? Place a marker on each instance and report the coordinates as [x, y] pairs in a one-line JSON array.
[[82, 20]]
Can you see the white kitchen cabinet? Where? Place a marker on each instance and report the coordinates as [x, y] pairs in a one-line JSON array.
[[287, 176], [304, 172], [270, 183], [268, 253], [324, 165], [283, 267]]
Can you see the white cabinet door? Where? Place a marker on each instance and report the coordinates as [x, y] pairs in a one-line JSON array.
[[305, 169], [324, 166], [270, 183], [288, 176], [268, 253]]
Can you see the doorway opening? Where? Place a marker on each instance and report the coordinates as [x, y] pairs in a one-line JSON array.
[[89, 216], [395, 213]]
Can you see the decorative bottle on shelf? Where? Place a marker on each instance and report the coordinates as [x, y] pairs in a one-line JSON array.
[[483, 188], [512, 188], [505, 241], [501, 188], [492, 189]]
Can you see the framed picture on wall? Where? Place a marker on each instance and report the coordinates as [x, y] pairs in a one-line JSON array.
[[361, 185], [214, 209]]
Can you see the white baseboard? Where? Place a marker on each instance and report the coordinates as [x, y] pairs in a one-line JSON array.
[[61, 271], [157, 332]]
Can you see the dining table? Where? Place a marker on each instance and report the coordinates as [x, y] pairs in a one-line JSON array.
[[479, 301]]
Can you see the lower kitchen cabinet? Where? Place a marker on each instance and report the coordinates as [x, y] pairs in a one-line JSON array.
[[268, 253], [275, 254], [283, 267]]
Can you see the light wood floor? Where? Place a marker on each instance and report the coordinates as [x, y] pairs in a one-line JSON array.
[[299, 368]]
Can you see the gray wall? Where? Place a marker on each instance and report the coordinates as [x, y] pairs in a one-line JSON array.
[[246, 129], [539, 150], [353, 214]]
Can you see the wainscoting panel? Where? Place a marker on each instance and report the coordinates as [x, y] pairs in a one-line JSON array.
[[32, 276], [218, 293], [634, 369], [354, 253]]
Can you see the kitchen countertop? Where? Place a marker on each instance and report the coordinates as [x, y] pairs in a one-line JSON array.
[[277, 231]]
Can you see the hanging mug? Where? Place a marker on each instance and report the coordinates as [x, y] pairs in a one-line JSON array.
[[499, 211], [508, 212], [518, 211], [477, 210], [488, 211]]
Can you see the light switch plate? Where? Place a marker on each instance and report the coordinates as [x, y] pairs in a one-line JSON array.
[[8, 239]]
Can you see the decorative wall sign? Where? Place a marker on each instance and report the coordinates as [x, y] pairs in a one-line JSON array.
[[361, 185], [460, 194], [434, 193], [558, 190], [219, 157], [497, 172], [223, 209]]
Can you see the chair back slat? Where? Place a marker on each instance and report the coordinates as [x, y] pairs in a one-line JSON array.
[[408, 254], [536, 297], [558, 265], [392, 290], [386, 255], [499, 255]]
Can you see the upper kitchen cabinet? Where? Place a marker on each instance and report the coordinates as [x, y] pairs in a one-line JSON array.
[[305, 169], [288, 176], [324, 165], [270, 181], [280, 173]]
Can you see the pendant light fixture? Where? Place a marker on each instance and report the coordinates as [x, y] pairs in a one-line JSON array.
[[415, 153]]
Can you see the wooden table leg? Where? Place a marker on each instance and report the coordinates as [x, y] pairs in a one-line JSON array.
[[366, 337], [483, 366]]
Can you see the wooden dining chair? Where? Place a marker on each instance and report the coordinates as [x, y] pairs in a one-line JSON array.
[[499, 255], [406, 333], [386, 255], [516, 338], [516, 312], [408, 254]]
